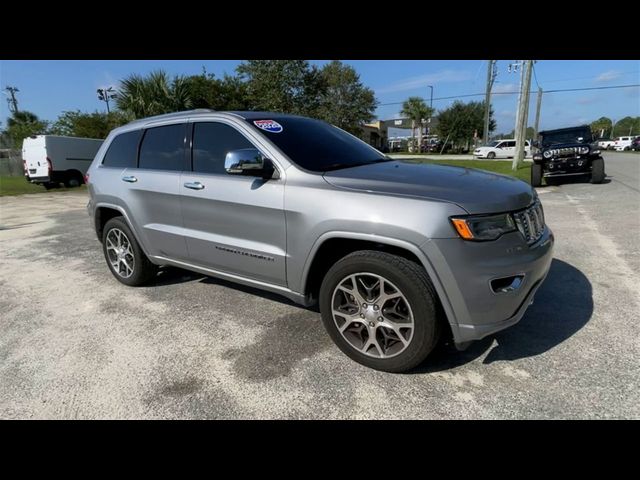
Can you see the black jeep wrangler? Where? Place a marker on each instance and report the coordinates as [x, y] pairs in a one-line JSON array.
[[564, 152]]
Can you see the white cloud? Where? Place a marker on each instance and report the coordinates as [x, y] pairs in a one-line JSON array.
[[586, 100], [505, 87], [421, 81], [608, 76]]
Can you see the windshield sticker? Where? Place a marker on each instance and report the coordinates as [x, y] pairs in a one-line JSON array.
[[268, 125]]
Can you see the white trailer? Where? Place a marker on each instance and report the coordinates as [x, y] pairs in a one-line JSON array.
[[52, 159]]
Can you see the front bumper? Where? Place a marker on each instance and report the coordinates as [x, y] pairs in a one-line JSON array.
[[466, 271]]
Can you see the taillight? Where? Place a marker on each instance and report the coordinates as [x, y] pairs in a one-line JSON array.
[[86, 179], [50, 165], [24, 166]]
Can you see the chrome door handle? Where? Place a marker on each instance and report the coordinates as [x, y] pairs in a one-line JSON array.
[[194, 185], [130, 179]]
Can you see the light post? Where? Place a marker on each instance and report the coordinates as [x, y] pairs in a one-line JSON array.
[[431, 97], [106, 94]]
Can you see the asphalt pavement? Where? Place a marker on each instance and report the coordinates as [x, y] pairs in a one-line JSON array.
[[76, 343]]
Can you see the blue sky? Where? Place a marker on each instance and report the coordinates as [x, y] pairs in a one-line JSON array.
[[49, 87]]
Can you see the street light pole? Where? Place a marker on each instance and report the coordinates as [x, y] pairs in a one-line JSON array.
[[431, 97], [106, 94]]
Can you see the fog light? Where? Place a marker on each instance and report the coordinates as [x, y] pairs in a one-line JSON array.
[[507, 284]]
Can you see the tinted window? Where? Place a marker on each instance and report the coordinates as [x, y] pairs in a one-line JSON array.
[[123, 151], [211, 143], [318, 146], [163, 148], [509, 144]]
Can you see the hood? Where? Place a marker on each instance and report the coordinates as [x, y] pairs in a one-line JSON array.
[[474, 190]]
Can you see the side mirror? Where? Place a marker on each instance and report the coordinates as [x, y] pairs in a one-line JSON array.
[[249, 162]]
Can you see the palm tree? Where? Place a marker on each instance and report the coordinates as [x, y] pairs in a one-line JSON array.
[[415, 109], [153, 95]]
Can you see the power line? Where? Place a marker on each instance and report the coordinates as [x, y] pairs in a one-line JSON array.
[[517, 92]]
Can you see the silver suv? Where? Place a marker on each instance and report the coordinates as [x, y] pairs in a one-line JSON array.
[[397, 254]]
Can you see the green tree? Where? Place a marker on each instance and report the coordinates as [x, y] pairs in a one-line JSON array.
[[345, 101], [87, 125], [206, 91], [288, 86], [627, 126], [154, 94], [20, 125], [461, 120], [601, 127], [416, 110]]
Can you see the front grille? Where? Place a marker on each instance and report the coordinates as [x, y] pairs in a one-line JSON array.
[[530, 222]]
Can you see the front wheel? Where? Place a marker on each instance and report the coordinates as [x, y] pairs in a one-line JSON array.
[[380, 310], [125, 258], [597, 170], [491, 155]]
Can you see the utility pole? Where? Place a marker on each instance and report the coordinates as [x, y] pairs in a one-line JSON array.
[[523, 112], [538, 105], [492, 71], [12, 101]]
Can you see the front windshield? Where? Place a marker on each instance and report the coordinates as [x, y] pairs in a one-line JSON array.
[[315, 145], [566, 136]]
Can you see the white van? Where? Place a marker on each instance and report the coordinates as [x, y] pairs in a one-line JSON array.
[[622, 143], [52, 159], [501, 149]]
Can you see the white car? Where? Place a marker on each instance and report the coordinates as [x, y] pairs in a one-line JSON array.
[[501, 149], [606, 144], [623, 143]]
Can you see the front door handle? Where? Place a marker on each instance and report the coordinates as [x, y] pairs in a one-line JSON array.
[[130, 179], [194, 185]]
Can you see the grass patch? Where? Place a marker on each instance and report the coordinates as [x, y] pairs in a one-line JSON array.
[[523, 172], [19, 186]]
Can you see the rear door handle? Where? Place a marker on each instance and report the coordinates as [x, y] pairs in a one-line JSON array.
[[130, 179], [194, 185]]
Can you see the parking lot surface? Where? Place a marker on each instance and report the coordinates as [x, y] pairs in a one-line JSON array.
[[75, 343]]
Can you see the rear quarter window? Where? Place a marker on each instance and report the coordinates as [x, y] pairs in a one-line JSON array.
[[123, 151]]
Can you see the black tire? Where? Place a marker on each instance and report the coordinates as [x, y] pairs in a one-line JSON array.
[[597, 170], [491, 155], [143, 269], [73, 180], [536, 175], [626, 149], [412, 280]]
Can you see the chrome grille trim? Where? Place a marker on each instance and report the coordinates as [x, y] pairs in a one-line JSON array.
[[530, 222]]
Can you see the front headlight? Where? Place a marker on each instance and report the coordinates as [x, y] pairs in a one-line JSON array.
[[537, 156], [548, 154], [481, 228], [583, 150]]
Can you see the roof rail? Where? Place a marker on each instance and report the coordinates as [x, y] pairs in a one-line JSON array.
[[173, 114]]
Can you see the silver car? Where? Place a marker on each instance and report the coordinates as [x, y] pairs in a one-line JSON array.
[[398, 255]]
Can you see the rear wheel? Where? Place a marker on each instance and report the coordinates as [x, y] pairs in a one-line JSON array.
[[597, 170], [73, 180], [491, 155], [380, 310], [125, 258], [536, 175]]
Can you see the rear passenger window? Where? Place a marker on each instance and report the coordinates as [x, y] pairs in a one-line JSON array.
[[163, 148], [211, 143], [123, 151]]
